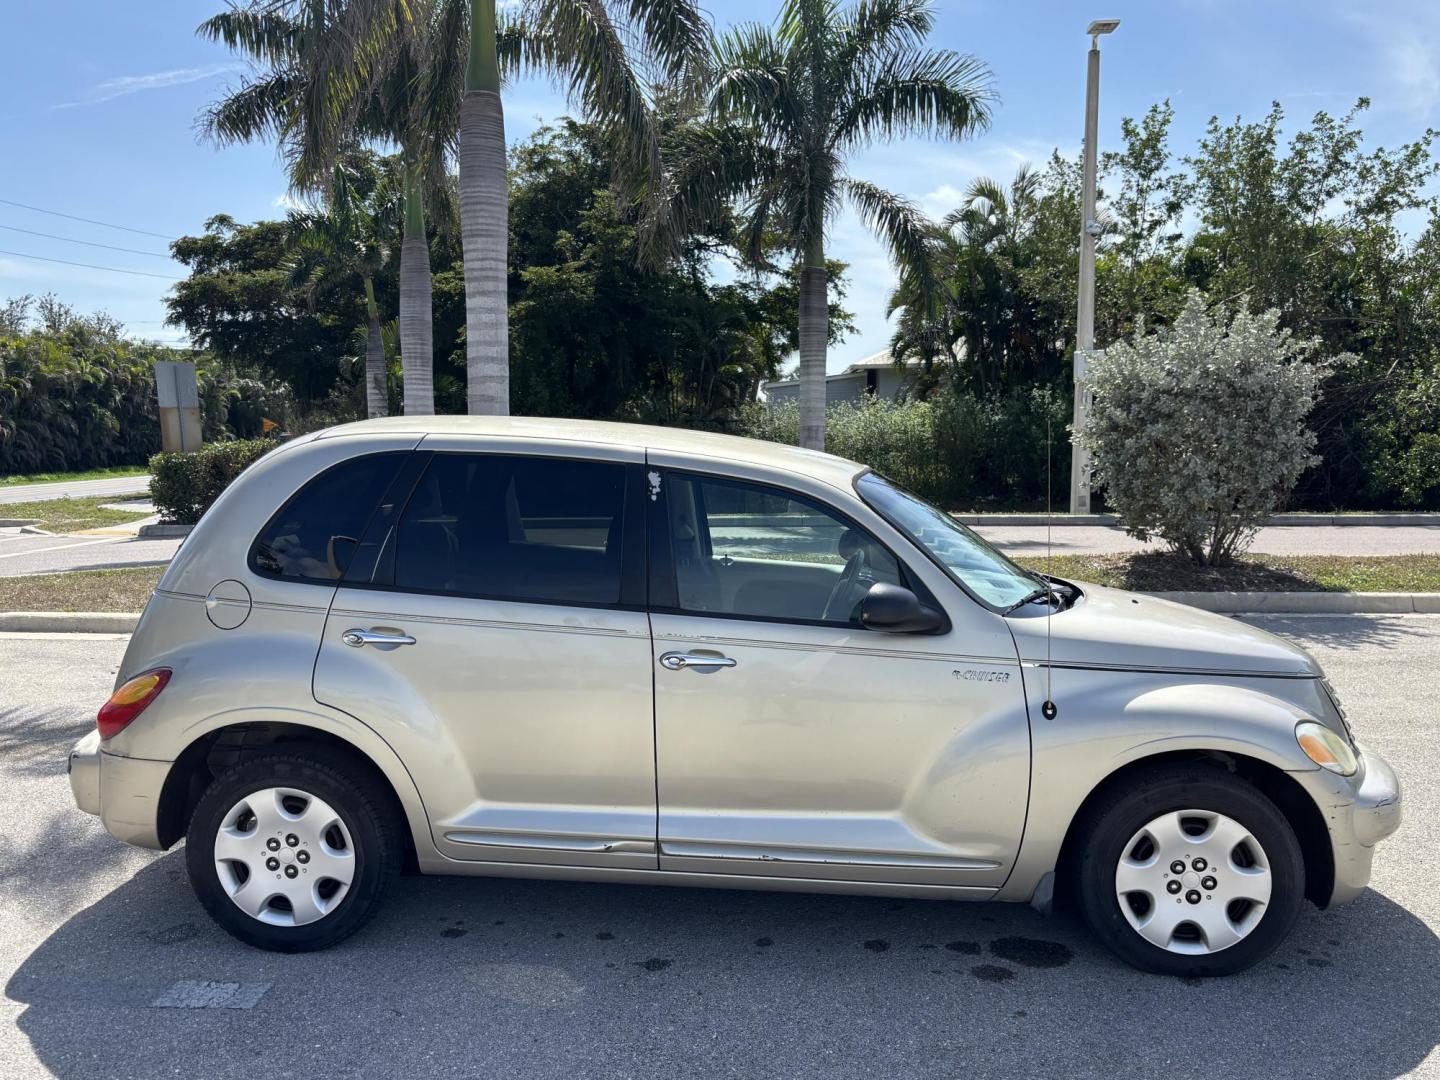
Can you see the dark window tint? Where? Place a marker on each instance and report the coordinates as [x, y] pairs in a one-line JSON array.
[[315, 536], [748, 550], [517, 528]]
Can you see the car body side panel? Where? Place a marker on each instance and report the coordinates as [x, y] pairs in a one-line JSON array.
[[527, 727]]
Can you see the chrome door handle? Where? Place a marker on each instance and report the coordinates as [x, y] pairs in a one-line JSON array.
[[357, 637], [678, 661]]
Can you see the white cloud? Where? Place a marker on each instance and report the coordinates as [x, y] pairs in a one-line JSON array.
[[286, 201], [125, 85]]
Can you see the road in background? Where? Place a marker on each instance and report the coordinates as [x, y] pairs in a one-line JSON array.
[[23, 553], [110, 969], [74, 489], [1275, 540]]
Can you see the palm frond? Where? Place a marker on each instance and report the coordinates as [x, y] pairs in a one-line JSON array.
[[916, 92]]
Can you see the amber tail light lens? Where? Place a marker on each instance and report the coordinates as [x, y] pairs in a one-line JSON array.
[[129, 701]]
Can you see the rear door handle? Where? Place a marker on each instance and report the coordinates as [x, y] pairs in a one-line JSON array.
[[356, 638], [678, 661]]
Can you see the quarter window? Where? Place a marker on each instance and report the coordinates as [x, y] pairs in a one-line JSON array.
[[539, 529], [316, 533], [753, 551]]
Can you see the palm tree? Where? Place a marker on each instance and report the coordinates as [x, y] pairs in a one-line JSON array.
[[584, 44], [790, 104], [348, 239], [333, 74]]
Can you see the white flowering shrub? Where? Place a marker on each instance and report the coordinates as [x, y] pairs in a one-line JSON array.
[[1199, 432]]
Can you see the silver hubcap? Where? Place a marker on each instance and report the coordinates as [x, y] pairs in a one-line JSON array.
[[1193, 881], [284, 857]]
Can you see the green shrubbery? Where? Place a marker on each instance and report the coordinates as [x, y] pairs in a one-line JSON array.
[[182, 486], [962, 450], [1199, 430], [76, 394]]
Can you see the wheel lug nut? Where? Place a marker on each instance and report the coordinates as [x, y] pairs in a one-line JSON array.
[[1200, 865], [272, 864], [291, 871], [1192, 896], [273, 844], [304, 857], [1177, 867], [1207, 883], [1172, 886], [294, 840]]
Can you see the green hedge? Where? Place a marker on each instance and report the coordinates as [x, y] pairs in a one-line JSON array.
[[182, 486], [964, 451]]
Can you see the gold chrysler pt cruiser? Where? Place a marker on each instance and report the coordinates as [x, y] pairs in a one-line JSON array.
[[604, 652]]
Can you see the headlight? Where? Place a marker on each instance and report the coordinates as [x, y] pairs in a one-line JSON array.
[[1325, 748]]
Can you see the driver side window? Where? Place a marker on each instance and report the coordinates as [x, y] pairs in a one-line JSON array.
[[748, 550]]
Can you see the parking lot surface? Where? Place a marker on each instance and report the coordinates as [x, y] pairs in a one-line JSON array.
[[109, 967]]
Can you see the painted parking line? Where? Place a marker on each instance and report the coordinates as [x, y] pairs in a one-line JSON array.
[[203, 994], [58, 547]]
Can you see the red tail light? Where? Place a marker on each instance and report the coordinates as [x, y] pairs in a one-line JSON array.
[[129, 701]]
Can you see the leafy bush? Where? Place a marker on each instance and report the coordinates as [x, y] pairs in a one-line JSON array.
[[1198, 431], [76, 394], [959, 449], [182, 486]]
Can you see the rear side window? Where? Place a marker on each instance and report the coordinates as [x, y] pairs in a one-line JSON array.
[[316, 533], [514, 528]]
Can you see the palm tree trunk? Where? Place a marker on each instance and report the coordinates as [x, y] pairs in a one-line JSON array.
[[417, 349], [376, 398], [484, 221], [814, 336]]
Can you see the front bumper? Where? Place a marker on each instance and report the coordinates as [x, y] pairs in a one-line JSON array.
[[124, 792], [1360, 811]]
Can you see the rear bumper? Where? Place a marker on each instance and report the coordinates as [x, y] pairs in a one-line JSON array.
[[1360, 811], [124, 792]]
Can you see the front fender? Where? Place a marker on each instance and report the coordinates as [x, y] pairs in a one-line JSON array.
[[1107, 720]]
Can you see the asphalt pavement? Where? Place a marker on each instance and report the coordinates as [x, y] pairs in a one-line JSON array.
[[25, 553], [74, 489], [110, 969]]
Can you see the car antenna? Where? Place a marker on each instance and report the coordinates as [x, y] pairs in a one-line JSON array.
[[1048, 710]]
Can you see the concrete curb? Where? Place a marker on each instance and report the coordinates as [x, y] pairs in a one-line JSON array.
[[1227, 603], [17, 523], [67, 622], [161, 529], [1309, 603], [1059, 520]]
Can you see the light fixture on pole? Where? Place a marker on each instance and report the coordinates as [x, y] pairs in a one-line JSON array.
[[1089, 231]]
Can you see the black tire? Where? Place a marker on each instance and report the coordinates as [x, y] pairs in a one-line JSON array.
[[361, 801], [1127, 808]]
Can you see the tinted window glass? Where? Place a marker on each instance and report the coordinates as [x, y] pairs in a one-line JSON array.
[[518, 528], [314, 537], [748, 550]]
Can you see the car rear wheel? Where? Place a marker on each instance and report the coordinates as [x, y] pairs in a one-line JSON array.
[[292, 851], [1190, 872]]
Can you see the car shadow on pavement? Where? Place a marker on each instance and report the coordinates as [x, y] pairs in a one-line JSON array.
[[467, 976]]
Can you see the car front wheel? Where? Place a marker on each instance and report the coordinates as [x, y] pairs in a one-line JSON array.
[[1190, 871], [292, 851]]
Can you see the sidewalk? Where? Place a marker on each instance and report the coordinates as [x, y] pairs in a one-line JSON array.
[[1274, 540]]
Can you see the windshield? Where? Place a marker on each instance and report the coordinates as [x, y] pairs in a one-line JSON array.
[[970, 560]]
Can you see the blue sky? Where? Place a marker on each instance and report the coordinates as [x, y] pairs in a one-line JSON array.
[[98, 103]]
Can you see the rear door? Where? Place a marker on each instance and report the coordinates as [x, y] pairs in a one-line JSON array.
[[814, 748], [493, 630]]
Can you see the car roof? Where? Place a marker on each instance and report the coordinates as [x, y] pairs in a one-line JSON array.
[[701, 444]]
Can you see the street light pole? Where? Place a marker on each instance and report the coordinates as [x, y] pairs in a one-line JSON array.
[[1089, 230]]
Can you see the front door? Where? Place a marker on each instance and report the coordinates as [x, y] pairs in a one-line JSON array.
[[812, 747], [497, 637]]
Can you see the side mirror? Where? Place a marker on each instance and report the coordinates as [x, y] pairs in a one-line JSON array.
[[896, 610]]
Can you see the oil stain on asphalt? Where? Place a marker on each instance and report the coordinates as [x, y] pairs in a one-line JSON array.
[[1032, 952]]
